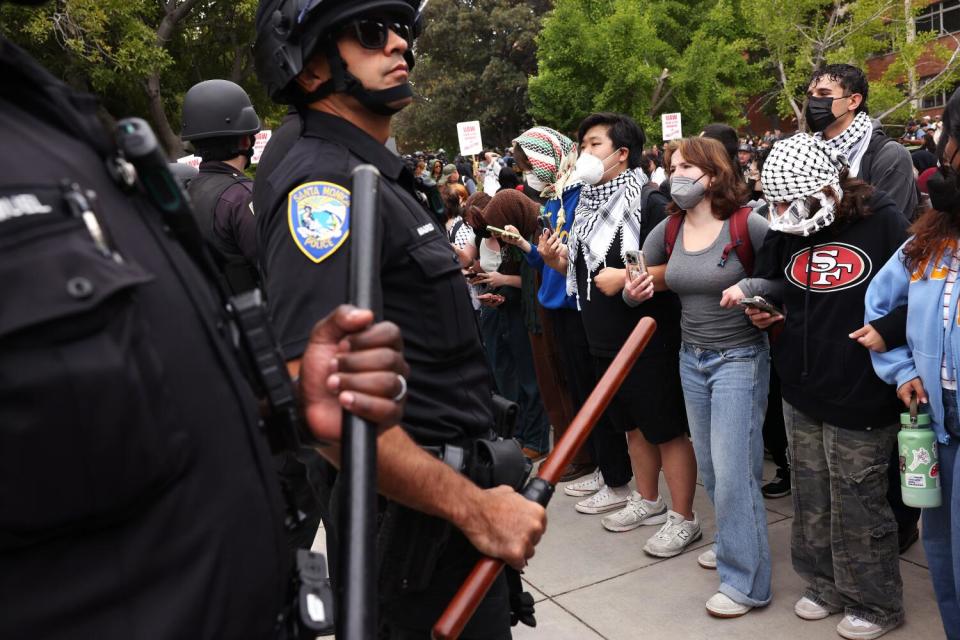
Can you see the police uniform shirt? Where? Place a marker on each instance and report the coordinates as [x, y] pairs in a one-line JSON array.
[[303, 228], [137, 499]]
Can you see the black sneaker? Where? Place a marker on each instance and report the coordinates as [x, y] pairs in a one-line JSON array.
[[779, 486]]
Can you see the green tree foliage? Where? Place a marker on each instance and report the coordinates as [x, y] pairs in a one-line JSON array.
[[643, 59], [473, 61], [141, 56]]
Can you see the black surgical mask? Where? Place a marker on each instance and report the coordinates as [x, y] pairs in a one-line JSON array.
[[819, 113]]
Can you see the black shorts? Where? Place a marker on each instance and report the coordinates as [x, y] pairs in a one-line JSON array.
[[650, 398]]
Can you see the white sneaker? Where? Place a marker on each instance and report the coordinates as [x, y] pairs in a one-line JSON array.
[[810, 610], [637, 512], [585, 487], [708, 559], [720, 606], [674, 536], [855, 628], [606, 499]]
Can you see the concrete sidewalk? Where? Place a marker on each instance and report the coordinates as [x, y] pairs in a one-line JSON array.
[[592, 584]]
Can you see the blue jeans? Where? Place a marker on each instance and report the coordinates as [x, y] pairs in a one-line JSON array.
[[941, 526], [726, 398]]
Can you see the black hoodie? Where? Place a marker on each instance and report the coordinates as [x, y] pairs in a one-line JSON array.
[[823, 372]]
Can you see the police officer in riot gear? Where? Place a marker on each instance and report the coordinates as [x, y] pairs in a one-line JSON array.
[[137, 497], [220, 122], [345, 66]]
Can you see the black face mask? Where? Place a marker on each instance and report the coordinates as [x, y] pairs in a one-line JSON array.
[[819, 113]]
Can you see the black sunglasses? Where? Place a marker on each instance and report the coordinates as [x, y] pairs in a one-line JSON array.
[[373, 33]]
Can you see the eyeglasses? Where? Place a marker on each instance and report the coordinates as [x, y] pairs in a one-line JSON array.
[[373, 34]]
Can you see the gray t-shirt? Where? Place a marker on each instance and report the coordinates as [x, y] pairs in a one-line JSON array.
[[696, 277]]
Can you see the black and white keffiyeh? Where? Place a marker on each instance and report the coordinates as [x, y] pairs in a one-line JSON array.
[[799, 166], [796, 168], [604, 210], [853, 142]]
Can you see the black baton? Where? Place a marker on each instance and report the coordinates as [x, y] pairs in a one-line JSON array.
[[359, 457]]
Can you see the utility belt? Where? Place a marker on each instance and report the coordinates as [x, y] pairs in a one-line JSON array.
[[410, 543], [487, 462]]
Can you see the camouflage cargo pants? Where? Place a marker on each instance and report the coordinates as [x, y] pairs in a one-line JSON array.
[[844, 534]]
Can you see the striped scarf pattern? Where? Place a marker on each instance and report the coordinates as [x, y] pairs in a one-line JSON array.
[[603, 211]]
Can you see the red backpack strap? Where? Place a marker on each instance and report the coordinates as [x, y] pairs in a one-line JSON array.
[[740, 240], [672, 232]]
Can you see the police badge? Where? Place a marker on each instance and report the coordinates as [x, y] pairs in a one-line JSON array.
[[318, 214]]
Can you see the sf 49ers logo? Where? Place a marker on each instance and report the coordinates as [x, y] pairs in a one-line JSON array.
[[832, 267]]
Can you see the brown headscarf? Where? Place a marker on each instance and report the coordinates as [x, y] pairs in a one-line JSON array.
[[512, 207]]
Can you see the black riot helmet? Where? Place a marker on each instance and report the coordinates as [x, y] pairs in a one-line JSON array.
[[217, 109], [290, 32]]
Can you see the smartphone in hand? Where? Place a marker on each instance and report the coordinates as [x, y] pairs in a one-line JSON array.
[[636, 264], [545, 222], [503, 232], [756, 302]]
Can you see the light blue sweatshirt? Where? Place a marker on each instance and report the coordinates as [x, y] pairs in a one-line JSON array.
[[893, 287]]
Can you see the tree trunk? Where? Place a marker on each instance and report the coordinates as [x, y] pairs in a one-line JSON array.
[[165, 133], [175, 10], [913, 85]]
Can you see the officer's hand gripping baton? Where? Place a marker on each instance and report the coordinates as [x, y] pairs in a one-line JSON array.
[[540, 489], [359, 452]]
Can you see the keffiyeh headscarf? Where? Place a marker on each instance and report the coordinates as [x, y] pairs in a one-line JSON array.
[[545, 148], [853, 142], [799, 167], [604, 210]]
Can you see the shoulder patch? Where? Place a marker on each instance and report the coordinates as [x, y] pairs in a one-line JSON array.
[[318, 214]]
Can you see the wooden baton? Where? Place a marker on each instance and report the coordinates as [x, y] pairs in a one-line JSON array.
[[540, 489]]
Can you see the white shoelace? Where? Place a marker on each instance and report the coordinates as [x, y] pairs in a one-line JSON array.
[[666, 531]]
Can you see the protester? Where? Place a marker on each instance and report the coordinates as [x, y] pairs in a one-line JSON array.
[[837, 112], [774, 431], [653, 169], [491, 173], [841, 419], [611, 220], [450, 175], [922, 275], [547, 349], [546, 157], [724, 361], [505, 338], [466, 175], [509, 180]]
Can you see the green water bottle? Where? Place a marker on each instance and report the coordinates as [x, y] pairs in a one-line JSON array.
[[919, 465]]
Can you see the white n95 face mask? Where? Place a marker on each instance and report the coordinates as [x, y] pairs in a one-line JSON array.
[[589, 168]]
